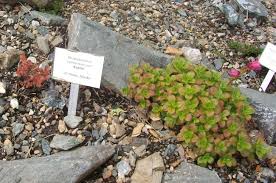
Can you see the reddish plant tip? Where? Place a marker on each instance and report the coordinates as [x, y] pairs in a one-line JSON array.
[[22, 57], [30, 74], [234, 73], [254, 65]]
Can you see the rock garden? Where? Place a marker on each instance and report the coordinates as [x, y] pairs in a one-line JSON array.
[[179, 99]]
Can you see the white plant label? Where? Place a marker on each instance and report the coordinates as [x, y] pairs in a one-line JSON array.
[[268, 59], [77, 67]]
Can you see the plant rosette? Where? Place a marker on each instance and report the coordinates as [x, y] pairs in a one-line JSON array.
[[30, 74], [211, 114]]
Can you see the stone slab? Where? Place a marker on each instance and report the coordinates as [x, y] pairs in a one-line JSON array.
[[253, 6], [190, 173], [265, 112], [119, 51], [69, 167]]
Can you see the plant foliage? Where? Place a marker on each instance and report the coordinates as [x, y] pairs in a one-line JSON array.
[[30, 74], [211, 113], [54, 7], [245, 49]]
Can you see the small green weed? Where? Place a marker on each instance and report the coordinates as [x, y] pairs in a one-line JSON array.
[[246, 50], [54, 8]]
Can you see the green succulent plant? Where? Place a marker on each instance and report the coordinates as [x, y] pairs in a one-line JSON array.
[[210, 112]]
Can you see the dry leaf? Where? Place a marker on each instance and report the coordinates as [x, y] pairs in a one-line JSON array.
[[258, 168], [181, 151], [272, 161], [176, 163], [173, 51], [97, 108], [154, 133], [137, 130], [190, 154], [61, 126]]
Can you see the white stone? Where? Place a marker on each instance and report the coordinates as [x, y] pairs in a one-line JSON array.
[[192, 54], [35, 23], [32, 59], [72, 121], [31, 112], [2, 88], [14, 103], [58, 40], [10, 21], [2, 13]]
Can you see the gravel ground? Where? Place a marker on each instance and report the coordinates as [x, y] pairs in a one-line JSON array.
[[197, 23], [29, 123]]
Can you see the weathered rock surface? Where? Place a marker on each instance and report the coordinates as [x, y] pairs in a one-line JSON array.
[[231, 15], [17, 128], [119, 51], [254, 7], [64, 142], [272, 153], [48, 19], [192, 54], [190, 173], [72, 121], [43, 45], [9, 58], [149, 170], [70, 166], [265, 114]]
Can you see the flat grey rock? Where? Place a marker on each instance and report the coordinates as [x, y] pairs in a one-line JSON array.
[[48, 19], [190, 173], [43, 44], [72, 121], [2, 49], [149, 169], [218, 63], [65, 142], [265, 112], [272, 153], [69, 167], [17, 128], [119, 51], [231, 15], [9, 58], [253, 6]]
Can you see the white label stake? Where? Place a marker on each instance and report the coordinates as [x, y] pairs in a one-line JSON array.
[[266, 80], [268, 59], [77, 68], [73, 99]]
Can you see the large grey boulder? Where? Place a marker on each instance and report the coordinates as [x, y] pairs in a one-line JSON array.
[[190, 173], [231, 15], [265, 112], [254, 7], [119, 51], [72, 166]]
